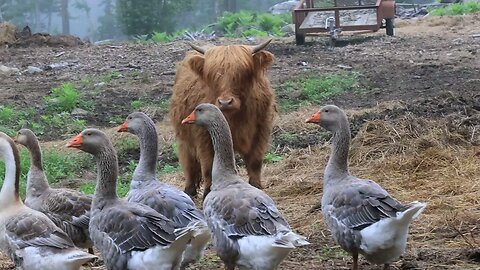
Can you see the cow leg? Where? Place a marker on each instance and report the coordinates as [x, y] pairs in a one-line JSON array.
[[191, 169], [206, 164], [253, 162]]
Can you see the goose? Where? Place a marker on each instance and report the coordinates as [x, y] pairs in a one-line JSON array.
[[67, 208], [129, 235], [145, 188], [362, 216], [27, 236], [248, 230]]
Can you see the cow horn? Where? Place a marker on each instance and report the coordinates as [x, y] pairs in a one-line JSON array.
[[197, 48], [259, 47]]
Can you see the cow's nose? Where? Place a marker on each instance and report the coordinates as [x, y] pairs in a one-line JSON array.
[[225, 103]]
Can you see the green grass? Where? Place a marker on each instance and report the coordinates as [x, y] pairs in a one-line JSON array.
[[167, 169], [136, 104], [272, 157], [111, 76], [313, 89], [456, 9], [63, 98], [247, 23], [126, 144], [58, 166]]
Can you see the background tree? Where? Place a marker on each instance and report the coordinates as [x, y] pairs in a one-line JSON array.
[[65, 18], [138, 17]]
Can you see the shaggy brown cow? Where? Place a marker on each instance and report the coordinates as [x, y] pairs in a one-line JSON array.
[[233, 78]]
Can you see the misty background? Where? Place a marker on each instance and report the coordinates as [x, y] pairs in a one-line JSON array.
[[120, 19]]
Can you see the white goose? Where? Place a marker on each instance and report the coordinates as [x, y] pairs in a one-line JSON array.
[[362, 216], [67, 208], [247, 228], [27, 236], [129, 235], [169, 201]]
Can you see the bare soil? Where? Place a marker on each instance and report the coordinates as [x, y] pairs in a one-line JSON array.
[[416, 124]]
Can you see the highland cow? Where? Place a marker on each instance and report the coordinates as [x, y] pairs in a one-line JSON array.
[[234, 79]]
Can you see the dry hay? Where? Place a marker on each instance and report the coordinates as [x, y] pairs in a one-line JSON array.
[[7, 33]]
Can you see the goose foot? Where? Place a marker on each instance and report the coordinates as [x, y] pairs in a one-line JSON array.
[[90, 250], [386, 266]]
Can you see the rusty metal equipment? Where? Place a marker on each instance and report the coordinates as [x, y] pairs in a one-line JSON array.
[[342, 15]]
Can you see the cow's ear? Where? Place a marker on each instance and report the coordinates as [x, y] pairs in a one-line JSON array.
[[196, 64], [263, 59]]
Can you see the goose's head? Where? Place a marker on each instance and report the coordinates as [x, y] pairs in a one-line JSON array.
[[91, 140], [205, 114], [329, 117], [135, 123], [24, 137]]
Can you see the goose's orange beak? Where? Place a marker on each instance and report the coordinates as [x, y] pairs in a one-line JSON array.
[[123, 127], [315, 118], [190, 119], [76, 142]]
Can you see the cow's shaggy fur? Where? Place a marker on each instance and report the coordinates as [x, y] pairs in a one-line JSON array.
[[229, 75]]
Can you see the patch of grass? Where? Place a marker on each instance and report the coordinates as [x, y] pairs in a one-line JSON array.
[[169, 169], [272, 157], [247, 23], [136, 104], [64, 98], [111, 76], [333, 252], [58, 166], [163, 105], [314, 89], [126, 144], [456, 9], [64, 121]]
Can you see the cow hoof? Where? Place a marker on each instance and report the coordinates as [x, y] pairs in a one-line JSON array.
[[191, 191]]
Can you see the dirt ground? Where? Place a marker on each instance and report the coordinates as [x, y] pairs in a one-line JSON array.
[[416, 125]]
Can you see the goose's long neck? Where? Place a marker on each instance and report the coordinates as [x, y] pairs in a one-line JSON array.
[[146, 167], [224, 159], [337, 166], [107, 173], [9, 193], [36, 168]]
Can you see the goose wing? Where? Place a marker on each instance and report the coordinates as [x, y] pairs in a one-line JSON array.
[[244, 211], [168, 201], [67, 207], [35, 229], [134, 227], [363, 203]]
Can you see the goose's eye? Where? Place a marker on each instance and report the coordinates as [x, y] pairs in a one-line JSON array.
[[129, 118], [326, 110], [199, 110], [89, 133]]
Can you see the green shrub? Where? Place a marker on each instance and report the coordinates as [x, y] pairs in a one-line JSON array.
[[247, 23], [456, 9], [63, 98]]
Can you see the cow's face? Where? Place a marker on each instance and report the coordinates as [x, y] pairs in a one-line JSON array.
[[231, 71]]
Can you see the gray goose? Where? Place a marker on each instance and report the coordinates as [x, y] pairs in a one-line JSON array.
[[247, 228], [129, 235], [145, 188], [67, 208], [362, 216], [27, 236]]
